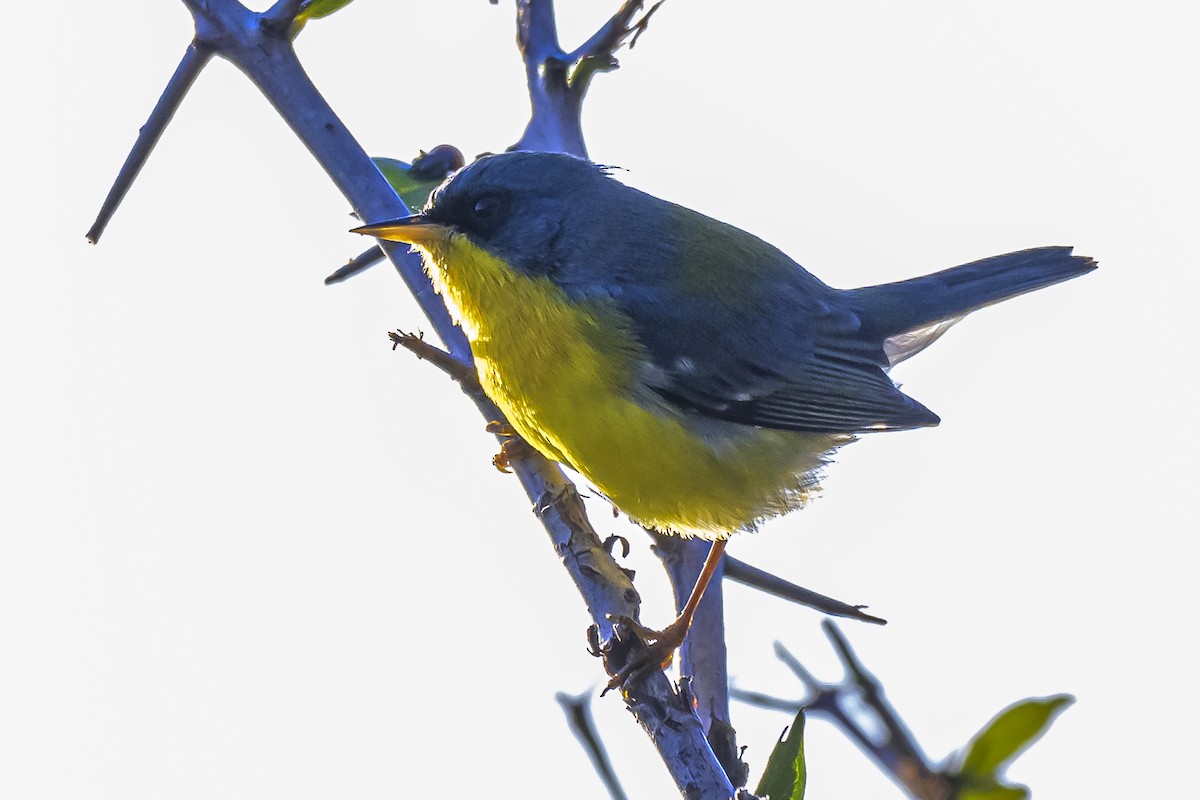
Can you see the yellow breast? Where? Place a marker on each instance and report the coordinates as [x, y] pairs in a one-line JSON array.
[[565, 374]]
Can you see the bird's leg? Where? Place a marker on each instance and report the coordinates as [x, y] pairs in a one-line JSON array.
[[661, 645], [512, 448]]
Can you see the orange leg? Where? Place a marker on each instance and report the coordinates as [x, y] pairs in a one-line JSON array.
[[660, 645]]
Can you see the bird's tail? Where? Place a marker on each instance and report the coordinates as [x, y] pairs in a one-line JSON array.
[[920, 309]]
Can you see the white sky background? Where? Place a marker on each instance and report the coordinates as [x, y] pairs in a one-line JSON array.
[[249, 551]]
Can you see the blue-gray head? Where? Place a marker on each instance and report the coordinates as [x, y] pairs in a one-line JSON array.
[[534, 210]]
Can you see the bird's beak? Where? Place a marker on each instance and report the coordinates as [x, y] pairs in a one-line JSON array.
[[416, 229]]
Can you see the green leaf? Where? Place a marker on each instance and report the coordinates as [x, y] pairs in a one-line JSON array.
[[315, 9], [1010, 732], [413, 191], [321, 8], [785, 775]]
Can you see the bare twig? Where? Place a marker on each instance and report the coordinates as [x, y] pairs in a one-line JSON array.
[[763, 700], [764, 581], [881, 735], [558, 80], [360, 263], [578, 708], [463, 372], [809, 680], [832, 699], [898, 736], [614, 33], [194, 59], [640, 27]]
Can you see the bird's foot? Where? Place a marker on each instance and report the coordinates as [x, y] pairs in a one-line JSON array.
[[512, 448], [501, 427], [661, 645], [660, 650]]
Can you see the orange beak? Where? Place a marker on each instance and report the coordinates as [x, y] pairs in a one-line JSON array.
[[416, 229]]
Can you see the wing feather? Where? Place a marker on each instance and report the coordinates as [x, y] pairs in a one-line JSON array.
[[818, 372]]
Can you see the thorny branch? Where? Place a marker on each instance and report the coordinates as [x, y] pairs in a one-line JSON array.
[[741, 572]]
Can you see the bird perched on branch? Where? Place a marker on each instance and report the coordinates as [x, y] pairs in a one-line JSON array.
[[693, 373]]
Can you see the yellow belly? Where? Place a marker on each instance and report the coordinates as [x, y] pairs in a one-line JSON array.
[[564, 374]]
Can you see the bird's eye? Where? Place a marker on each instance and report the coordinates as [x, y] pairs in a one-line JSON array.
[[486, 207]]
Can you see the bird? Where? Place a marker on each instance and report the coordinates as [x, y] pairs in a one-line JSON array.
[[693, 373]]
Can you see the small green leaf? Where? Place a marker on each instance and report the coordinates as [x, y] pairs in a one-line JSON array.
[[1008, 733], [396, 172], [413, 191], [315, 9], [785, 775], [321, 8]]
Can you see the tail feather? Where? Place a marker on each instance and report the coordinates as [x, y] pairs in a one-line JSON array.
[[905, 307]]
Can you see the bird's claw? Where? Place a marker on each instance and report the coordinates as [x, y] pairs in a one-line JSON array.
[[410, 341], [659, 652], [511, 449], [500, 427]]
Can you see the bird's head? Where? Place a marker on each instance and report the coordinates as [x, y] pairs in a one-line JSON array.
[[528, 209]]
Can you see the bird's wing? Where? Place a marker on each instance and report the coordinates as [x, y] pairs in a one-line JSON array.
[[794, 358]]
